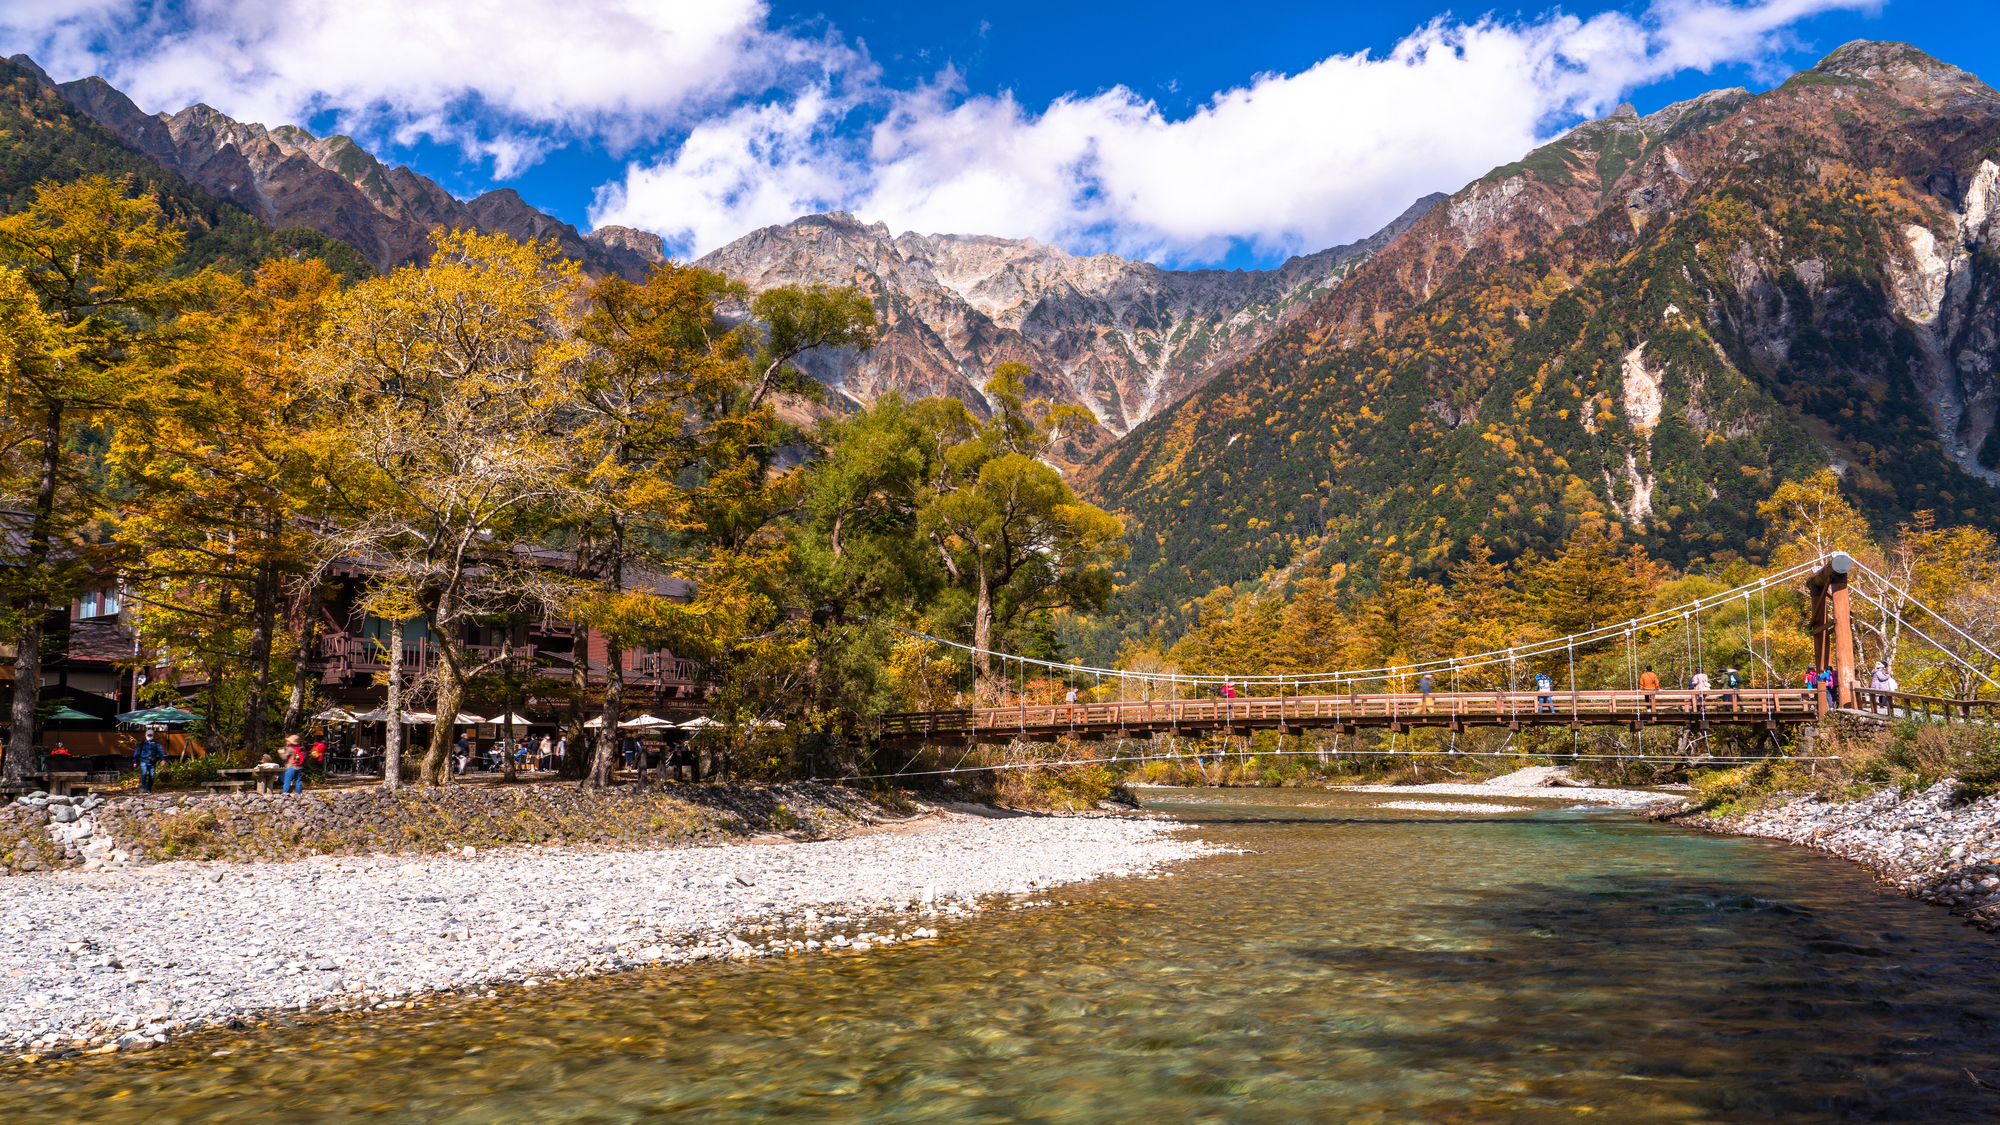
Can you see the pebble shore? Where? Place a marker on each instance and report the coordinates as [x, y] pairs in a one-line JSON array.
[[121, 959], [1927, 844]]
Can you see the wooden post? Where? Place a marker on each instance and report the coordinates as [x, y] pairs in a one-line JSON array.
[[1832, 627]]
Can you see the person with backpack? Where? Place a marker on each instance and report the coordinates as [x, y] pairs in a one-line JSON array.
[[148, 757], [1831, 685], [293, 758], [1732, 681], [1544, 701]]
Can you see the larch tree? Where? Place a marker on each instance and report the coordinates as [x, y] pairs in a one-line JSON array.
[[677, 409], [222, 485], [1007, 529], [86, 308], [450, 385]]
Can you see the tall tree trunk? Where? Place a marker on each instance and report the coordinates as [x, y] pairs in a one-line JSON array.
[[507, 701], [295, 706], [211, 717], [263, 620], [392, 748], [579, 682], [33, 605], [450, 694], [605, 764], [985, 688]]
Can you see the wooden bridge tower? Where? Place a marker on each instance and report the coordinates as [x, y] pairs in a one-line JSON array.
[[1832, 630]]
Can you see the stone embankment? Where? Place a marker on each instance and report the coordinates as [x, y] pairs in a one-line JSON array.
[[120, 958], [1927, 844], [41, 833]]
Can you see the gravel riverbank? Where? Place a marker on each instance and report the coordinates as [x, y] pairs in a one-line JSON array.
[[1926, 844], [122, 958]]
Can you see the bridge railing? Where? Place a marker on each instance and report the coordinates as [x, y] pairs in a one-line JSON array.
[[1481, 708], [1924, 708]]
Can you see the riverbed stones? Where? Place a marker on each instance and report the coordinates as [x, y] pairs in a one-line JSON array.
[[1929, 844], [355, 932]]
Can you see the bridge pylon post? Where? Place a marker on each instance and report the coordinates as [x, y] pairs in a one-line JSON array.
[[1832, 626]]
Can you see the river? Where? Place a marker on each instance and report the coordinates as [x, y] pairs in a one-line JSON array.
[[1350, 963]]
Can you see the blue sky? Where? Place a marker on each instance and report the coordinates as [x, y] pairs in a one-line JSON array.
[[1160, 131]]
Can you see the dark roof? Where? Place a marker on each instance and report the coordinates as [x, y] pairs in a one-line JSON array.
[[100, 639]]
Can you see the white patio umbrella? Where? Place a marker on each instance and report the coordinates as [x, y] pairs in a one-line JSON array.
[[645, 722], [766, 724], [337, 715], [701, 722], [381, 715], [468, 719], [503, 720], [596, 723]]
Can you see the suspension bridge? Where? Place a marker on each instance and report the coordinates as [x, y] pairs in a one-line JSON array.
[[1349, 701]]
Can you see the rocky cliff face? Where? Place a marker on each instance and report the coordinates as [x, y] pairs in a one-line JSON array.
[[1649, 323], [290, 178], [1124, 338]]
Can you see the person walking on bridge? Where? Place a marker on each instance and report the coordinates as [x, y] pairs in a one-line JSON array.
[[1650, 684], [1544, 699], [1732, 681], [1881, 680], [1700, 685], [1425, 685]]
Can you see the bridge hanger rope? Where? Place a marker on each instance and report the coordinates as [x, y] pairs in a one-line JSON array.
[[1908, 597], [1973, 668], [1350, 676]]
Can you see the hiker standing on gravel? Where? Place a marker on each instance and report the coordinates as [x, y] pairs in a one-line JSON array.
[[148, 757], [293, 756]]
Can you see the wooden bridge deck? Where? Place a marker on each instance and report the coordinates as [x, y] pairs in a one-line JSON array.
[[1297, 714]]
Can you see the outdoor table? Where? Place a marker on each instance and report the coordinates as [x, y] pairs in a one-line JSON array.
[[260, 774], [59, 783]]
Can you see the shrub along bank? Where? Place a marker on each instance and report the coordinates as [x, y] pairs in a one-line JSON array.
[[269, 827]]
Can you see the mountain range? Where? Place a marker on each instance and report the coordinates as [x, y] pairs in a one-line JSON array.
[[1646, 324]]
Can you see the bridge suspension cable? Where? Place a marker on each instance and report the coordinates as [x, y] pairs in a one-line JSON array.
[[1686, 611]]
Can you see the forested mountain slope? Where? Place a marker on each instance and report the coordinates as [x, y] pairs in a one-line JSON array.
[[291, 179], [1650, 323], [43, 137]]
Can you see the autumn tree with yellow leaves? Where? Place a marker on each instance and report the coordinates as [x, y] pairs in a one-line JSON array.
[[86, 333]]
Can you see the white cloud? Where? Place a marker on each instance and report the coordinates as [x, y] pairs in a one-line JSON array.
[[1286, 163], [766, 124], [505, 78]]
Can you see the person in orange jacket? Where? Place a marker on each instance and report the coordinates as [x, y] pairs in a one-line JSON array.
[[1649, 683]]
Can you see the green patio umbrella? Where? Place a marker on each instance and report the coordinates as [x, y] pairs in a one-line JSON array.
[[158, 715], [69, 715]]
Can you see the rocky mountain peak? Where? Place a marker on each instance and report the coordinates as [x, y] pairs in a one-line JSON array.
[[1124, 338], [288, 177]]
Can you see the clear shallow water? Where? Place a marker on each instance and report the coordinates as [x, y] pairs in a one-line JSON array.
[[1358, 964]]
